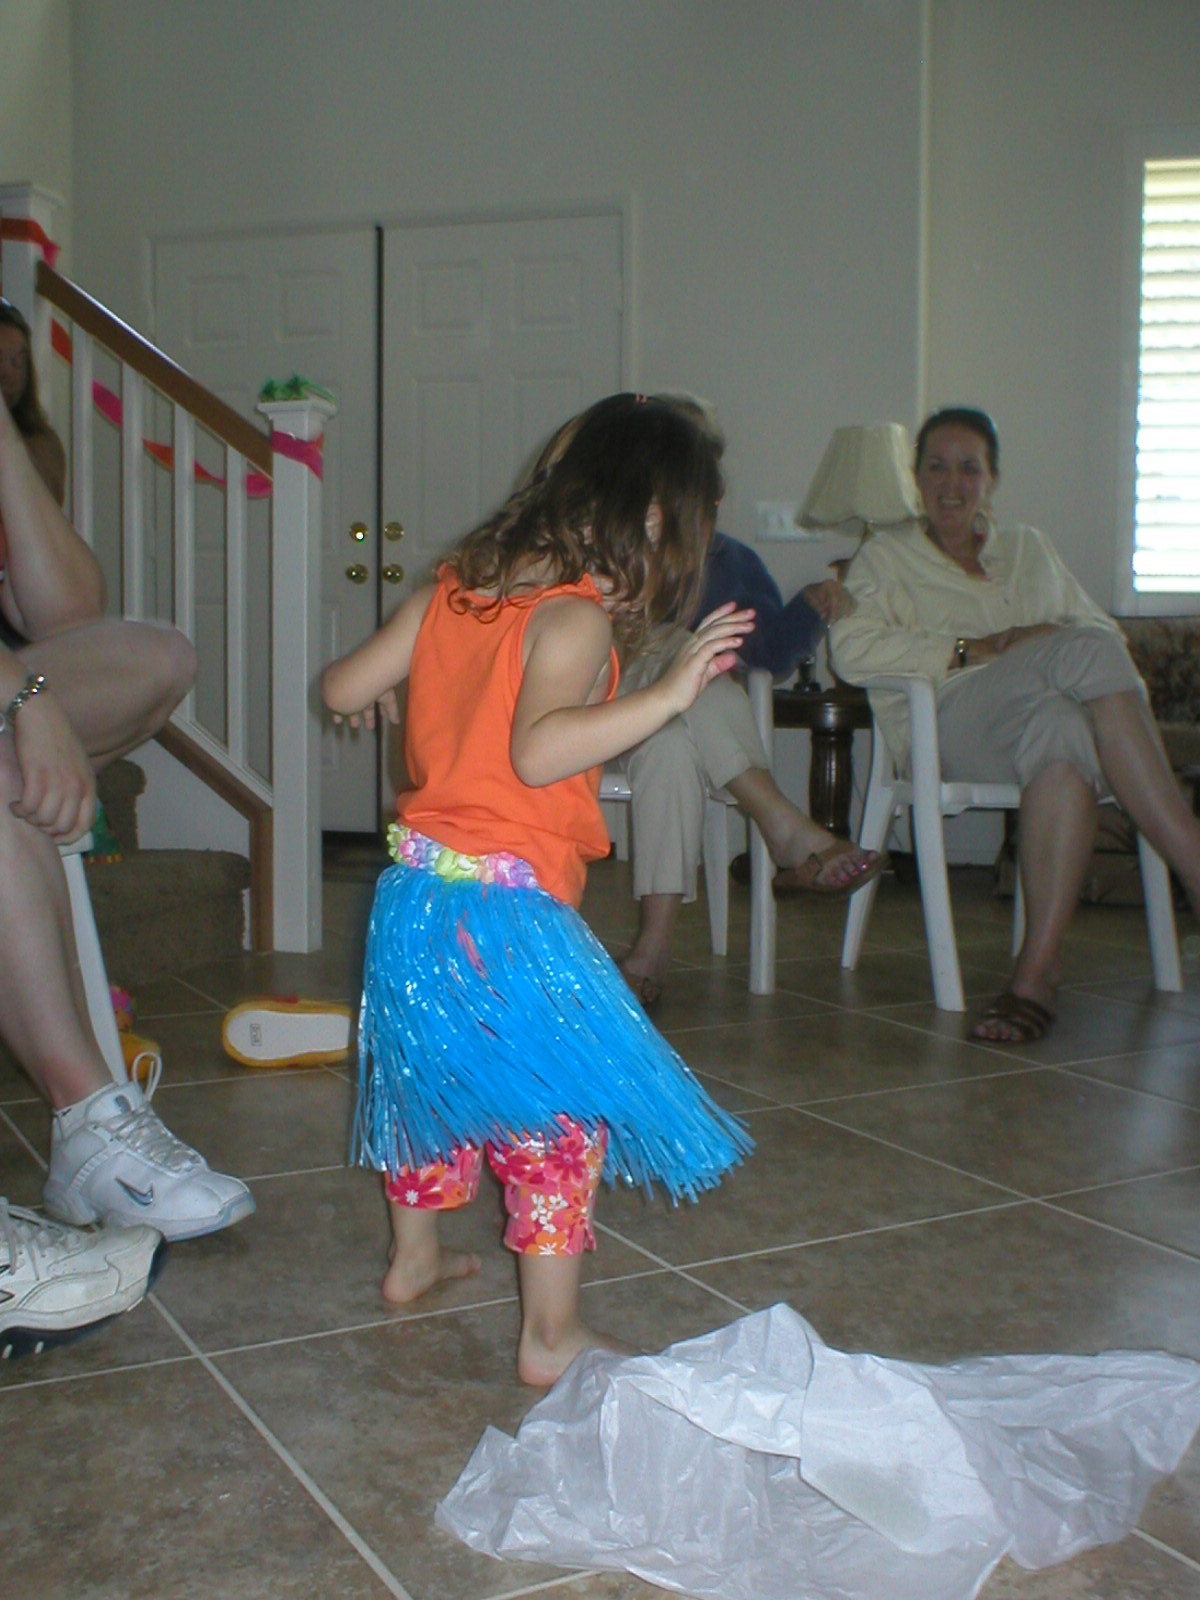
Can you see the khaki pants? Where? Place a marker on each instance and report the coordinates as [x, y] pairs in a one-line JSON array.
[[712, 742]]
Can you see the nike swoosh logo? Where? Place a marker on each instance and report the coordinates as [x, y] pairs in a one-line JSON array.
[[140, 1197]]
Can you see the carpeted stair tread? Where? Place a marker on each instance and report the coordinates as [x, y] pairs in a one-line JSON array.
[[162, 911]]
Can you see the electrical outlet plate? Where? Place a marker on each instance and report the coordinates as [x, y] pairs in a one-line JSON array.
[[776, 519]]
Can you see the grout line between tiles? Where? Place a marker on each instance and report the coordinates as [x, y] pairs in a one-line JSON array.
[[1121, 1233], [288, 1460], [1165, 1549]]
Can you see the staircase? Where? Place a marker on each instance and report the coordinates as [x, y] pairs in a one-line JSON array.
[[180, 486], [159, 912]]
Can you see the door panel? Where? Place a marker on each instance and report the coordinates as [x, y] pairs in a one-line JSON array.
[[493, 333], [236, 312]]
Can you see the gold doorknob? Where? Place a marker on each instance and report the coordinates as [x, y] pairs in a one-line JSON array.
[[358, 532], [393, 530], [392, 574], [357, 573]]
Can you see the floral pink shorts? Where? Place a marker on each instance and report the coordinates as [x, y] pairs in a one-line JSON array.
[[549, 1188]]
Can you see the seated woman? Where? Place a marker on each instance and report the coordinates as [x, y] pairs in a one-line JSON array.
[[76, 691], [1034, 686], [716, 743]]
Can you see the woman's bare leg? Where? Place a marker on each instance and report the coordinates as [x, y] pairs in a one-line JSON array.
[[1057, 831], [791, 836], [650, 954], [118, 683], [1135, 764]]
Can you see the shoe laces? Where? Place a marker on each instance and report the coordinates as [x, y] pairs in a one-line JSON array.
[[25, 1231], [143, 1130]]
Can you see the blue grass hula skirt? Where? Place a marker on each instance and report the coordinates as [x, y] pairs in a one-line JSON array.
[[490, 1009]]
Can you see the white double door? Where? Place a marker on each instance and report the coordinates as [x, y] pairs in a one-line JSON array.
[[452, 351]]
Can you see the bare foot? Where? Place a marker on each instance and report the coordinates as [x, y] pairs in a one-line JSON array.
[[540, 1363], [415, 1272]]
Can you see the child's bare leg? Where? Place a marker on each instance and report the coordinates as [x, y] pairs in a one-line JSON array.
[[552, 1333], [417, 1260]]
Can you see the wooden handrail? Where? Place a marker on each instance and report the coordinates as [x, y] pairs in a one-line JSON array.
[[246, 803], [220, 419]]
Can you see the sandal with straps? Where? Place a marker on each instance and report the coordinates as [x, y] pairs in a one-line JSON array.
[[806, 878], [1027, 1020]]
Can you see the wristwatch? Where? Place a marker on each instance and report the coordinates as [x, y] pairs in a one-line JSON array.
[[34, 684], [960, 652]]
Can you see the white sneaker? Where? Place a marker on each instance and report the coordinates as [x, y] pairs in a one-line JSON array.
[[56, 1281], [112, 1160]]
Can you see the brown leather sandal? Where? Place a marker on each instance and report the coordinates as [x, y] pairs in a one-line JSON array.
[[806, 877], [647, 990], [1028, 1020]]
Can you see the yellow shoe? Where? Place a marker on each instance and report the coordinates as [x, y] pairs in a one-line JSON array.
[[287, 1033]]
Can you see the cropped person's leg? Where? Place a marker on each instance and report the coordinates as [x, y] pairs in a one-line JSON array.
[[1136, 768], [667, 816], [117, 681], [111, 1158]]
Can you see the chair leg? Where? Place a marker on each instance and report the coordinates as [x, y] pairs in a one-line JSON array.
[[1160, 919], [762, 916], [876, 824], [716, 873], [930, 842], [91, 966]]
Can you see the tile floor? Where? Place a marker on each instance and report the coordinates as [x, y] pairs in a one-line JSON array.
[[262, 1426]]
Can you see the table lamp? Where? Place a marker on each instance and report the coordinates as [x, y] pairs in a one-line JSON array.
[[864, 476]]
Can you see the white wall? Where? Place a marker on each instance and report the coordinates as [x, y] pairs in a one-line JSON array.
[[1033, 108], [768, 152], [35, 97]]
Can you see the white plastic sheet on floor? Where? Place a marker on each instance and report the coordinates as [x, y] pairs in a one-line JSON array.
[[755, 1463]]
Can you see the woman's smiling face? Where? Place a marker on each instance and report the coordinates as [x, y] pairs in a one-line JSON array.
[[954, 480]]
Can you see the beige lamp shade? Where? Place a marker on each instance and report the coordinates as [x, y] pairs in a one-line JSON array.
[[863, 476]]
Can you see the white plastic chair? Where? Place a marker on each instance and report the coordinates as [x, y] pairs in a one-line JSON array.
[[91, 959], [614, 786], [930, 800]]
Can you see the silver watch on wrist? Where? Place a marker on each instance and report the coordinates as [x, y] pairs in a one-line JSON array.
[[33, 685]]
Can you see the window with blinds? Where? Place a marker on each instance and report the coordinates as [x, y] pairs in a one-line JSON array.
[[1166, 549]]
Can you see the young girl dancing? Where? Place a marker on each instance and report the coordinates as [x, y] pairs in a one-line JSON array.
[[493, 1022]]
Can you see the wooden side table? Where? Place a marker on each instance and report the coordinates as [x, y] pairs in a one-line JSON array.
[[831, 717]]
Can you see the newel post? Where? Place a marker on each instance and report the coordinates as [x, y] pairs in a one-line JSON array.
[[297, 431]]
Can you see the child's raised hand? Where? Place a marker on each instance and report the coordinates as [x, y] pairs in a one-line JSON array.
[[366, 717], [711, 650]]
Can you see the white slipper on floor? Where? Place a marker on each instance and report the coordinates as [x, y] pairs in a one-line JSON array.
[[287, 1033]]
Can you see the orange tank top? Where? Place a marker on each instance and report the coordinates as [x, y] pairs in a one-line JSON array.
[[464, 680]]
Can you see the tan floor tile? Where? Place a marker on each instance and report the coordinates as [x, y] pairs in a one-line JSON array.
[[1166, 1209], [403, 1406], [822, 1055], [1037, 1132], [805, 1180], [1023, 1279], [160, 1487]]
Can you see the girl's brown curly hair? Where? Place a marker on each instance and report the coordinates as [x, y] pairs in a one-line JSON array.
[[583, 509]]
